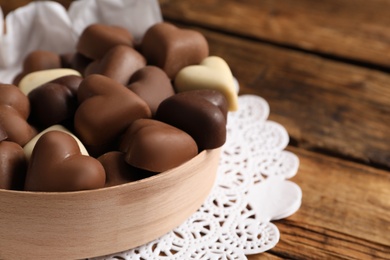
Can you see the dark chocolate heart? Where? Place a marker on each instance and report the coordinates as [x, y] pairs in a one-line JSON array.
[[51, 104], [57, 164], [197, 116]]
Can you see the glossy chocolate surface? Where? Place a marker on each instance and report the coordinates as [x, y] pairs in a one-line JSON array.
[[152, 85], [97, 39], [56, 164], [197, 116], [13, 166], [155, 146], [106, 109], [171, 48]]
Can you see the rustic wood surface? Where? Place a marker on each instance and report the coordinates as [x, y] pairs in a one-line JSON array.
[[324, 68]]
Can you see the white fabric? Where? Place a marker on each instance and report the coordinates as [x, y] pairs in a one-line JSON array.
[[46, 25]]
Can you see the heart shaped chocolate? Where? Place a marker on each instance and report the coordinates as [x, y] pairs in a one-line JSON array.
[[51, 104], [155, 146], [152, 85], [97, 39], [119, 63], [29, 147], [57, 165], [106, 109], [13, 166], [118, 171], [38, 60], [171, 48], [14, 111], [41, 60], [212, 73], [195, 115]]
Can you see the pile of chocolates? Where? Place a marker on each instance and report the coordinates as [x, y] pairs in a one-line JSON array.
[[113, 111]]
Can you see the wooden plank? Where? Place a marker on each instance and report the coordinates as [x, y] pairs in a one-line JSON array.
[[324, 105], [264, 256], [356, 30], [345, 212]]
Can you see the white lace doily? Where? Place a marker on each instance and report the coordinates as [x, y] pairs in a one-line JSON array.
[[250, 191]]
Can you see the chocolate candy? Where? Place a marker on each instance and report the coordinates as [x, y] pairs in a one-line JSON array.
[[14, 111], [38, 78], [41, 60], [152, 85], [214, 97], [79, 62], [106, 109], [172, 49], [56, 164], [97, 39], [212, 73], [38, 60], [156, 146], [51, 104], [54, 102], [29, 147], [3, 134], [195, 115], [66, 60], [118, 171], [119, 63], [13, 166], [72, 82]]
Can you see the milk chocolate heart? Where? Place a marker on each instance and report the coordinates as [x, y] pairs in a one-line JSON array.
[[29, 147], [152, 85], [97, 39], [13, 166], [38, 60], [195, 115], [118, 171], [57, 165], [212, 73], [14, 111], [41, 60], [156, 146], [119, 63], [106, 109], [172, 49]]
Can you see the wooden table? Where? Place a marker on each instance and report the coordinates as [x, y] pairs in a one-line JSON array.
[[323, 66]]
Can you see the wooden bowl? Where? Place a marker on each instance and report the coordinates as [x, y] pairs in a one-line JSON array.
[[74, 225]]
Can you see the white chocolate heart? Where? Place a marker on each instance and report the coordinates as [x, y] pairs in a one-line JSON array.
[[37, 78], [212, 73], [28, 148]]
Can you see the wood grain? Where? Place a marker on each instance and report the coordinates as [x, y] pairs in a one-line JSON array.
[[325, 105], [337, 114], [356, 30], [76, 225], [345, 212]]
